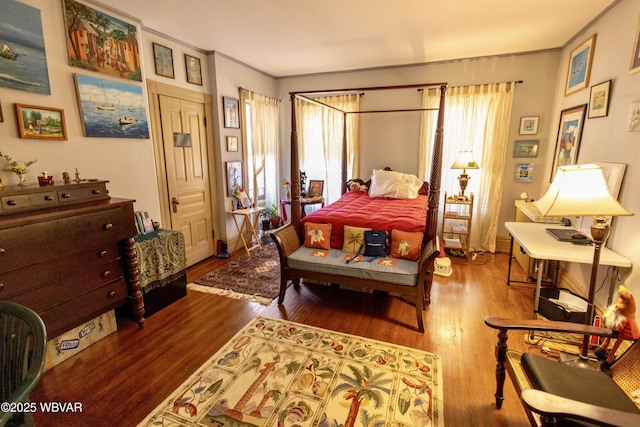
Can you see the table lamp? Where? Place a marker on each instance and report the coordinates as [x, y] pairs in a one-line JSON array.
[[581, 190], [464, 161]]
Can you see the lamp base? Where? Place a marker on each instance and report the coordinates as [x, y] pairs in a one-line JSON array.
[[580, 362]]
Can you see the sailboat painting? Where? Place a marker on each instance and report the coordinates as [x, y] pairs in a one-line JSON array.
[[105, 107]]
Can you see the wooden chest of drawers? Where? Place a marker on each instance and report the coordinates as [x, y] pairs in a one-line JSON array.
[[70, 260]]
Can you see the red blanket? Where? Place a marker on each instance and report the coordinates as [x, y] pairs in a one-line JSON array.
[[357, 209]]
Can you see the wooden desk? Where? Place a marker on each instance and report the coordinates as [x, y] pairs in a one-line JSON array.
[[249, 223], [541, 246], [303, 203]]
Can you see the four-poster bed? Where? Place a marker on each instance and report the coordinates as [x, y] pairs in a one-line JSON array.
[[416, 214]]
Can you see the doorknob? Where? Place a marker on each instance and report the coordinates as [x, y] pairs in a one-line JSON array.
[[175, 202]]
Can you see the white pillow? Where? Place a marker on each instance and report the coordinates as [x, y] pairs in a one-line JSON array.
[[392, 184]]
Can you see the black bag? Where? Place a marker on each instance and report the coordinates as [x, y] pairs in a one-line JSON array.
[[375, 243]]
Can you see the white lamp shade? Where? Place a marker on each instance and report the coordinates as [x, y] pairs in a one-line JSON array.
[[465, 161], [579, 190]]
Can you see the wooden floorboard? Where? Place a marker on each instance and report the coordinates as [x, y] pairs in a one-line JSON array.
[[123, 377]]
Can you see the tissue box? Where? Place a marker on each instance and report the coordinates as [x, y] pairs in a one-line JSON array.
[[562, 305]]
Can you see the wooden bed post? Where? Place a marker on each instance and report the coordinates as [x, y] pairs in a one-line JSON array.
[[436, 172], [344, 154], [295, 168]]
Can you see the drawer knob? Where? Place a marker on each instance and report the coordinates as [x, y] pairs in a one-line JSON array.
[[1, 286], [108, 227], [11, 202], [102, 254], [106, 273], [65, 195], [111, 294], [1, 251], [48, 198], [96, 191]]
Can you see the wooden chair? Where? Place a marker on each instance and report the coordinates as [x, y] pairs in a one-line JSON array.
[[22, 353], [554, 393]]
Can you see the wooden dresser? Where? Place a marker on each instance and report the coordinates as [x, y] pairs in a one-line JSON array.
[[67, 252]]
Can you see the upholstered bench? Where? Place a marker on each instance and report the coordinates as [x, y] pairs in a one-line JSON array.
[[410, 279]]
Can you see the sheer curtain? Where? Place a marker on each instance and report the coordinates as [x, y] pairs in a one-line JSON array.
[[261, 135], [476, 118], [320, 131]]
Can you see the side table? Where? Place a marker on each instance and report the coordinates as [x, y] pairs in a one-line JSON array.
[[303, 203], [249, 224]]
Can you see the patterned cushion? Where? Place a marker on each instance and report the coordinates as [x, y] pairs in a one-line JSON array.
[[353, 238], [317, 235], [406, 245]]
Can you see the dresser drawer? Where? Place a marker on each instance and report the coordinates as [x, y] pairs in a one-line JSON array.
[[42, 241], [74, 286], [77, 195], [25, 201], [63, 317]]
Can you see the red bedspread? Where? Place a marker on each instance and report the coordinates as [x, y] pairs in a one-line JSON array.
[[357, 209]]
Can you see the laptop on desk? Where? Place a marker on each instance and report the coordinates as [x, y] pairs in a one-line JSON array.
[[568, 235]]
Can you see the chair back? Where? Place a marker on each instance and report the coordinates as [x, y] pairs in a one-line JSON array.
[[625, 371], [22, 353]]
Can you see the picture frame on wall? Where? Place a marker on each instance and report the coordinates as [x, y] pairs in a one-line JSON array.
[[599, 100], [569, 136], [194, 72], [230, 106], [579, 68], [524, 172], [232, 143], [635, 57], [163, 60], [1, 117], [529, 125], [528, 148], [234, 177], [36, 122]]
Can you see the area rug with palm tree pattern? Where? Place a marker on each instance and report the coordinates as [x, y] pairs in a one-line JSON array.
[[280, 373]]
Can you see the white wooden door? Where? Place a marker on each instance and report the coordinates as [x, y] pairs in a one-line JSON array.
[[187, 169]]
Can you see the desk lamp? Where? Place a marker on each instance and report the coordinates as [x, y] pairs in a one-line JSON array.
[[464, 161], [581, 190]]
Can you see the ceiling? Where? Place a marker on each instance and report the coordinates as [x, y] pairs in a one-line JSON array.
[[294, 37]]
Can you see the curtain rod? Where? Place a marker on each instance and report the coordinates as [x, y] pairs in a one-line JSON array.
[[249, 90], [482, 84]]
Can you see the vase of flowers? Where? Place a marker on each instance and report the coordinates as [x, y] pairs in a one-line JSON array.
[[287, 187], [17, 168]]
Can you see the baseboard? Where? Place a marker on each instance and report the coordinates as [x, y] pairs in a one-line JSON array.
[[503, 244]]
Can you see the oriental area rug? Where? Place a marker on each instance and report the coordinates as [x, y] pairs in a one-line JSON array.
[[255, 277], [280, 373]]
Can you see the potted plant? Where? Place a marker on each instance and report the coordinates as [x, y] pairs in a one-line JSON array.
[[272, 215]]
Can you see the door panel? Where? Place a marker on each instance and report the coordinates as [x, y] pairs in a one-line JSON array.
[[187, 176]]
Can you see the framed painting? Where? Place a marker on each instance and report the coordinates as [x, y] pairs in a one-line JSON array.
[[579, 68], [635, 57], [599, 100], [111, 109], [524, 172], [234, 177], [529, 125], [231, 112], [316, 188], [232, 143], [40, 122], [163, 60], [633, 120], [569, 136], [1, 117], [110, 47], [23, 60], [527, 148], [194, 72]]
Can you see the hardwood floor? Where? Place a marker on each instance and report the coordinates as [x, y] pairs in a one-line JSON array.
[[123, 377]]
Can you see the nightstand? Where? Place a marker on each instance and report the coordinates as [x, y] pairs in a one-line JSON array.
[[456, 222]]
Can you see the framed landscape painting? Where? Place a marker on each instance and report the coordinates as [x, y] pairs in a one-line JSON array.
[[163, 59], [40, 122], [569, 136], [111, 109], [579, 68]]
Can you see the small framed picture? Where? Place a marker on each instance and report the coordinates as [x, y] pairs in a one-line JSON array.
[[526, 148], [234, 177], [40, 122], [529, 125], [599, 100], [316, 188], [163, 59], [524, 172], [194, 73], [231, 112], [579, 68], [232, 143], [1, 118], [635, 57]]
